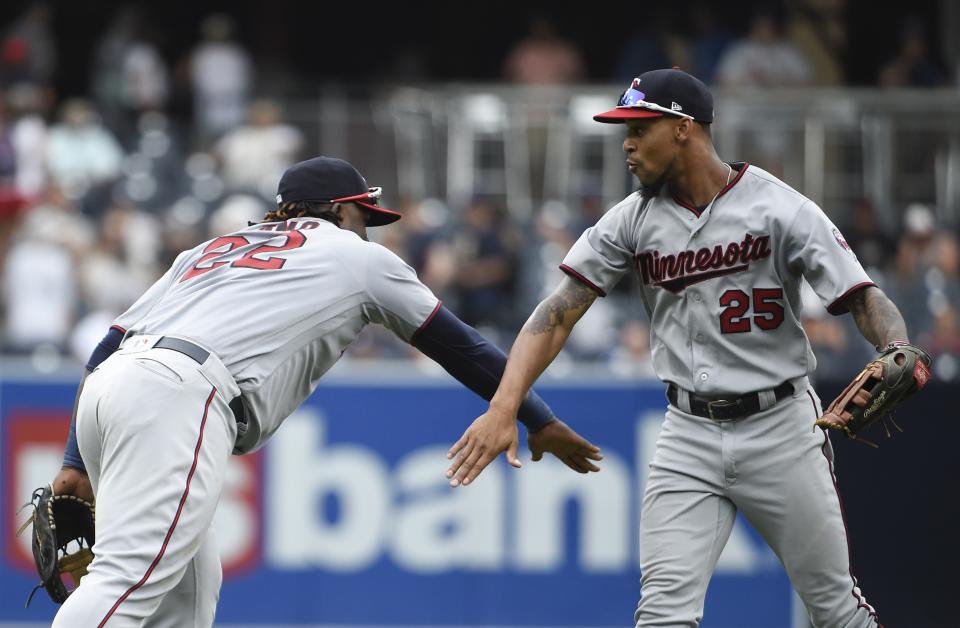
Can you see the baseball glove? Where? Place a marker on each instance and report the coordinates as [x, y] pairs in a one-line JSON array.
[[898, 373], [59, 520]]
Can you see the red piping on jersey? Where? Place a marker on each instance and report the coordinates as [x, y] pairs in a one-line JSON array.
[[119, 329], [719, 194], [837, 307], [176, 518], [426, 322], [843, 518], [583, 279]]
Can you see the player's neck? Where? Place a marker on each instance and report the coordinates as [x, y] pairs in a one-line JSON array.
[[698, 179]]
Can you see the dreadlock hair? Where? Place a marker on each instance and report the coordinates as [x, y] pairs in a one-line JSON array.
[[300, 209]]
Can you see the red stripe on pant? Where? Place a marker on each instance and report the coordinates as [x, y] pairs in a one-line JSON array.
[[166, 540]]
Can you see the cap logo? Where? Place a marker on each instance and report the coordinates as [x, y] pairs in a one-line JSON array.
[[635, 84], [279, 199], [674, 106], [632, 97]]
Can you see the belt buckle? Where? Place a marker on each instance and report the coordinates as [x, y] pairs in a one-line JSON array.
[[723, 403]]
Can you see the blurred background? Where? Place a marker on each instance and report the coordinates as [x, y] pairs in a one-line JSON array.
[[129, 132]]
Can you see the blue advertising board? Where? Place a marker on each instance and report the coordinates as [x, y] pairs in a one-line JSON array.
[[346, 518]]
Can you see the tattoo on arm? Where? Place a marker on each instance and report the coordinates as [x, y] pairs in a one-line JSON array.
[[877, 318], [571, 296]]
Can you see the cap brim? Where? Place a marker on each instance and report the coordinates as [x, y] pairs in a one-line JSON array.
[[620, 114], [379, 215]]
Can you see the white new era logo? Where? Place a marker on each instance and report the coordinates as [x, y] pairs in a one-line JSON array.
[[676, 107]]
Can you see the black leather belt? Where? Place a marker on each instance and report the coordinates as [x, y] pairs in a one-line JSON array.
[[200, 355], [187, 348], [728, 409]]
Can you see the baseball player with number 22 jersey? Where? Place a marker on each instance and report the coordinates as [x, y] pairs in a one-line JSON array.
[[213, 358], [721, 250]]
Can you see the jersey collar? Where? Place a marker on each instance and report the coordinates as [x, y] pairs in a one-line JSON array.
[[739, 166]]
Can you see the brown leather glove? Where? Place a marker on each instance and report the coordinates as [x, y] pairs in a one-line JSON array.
[[898, 373]]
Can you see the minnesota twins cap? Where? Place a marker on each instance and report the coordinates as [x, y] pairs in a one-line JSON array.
[[662, 92], [332, 180]]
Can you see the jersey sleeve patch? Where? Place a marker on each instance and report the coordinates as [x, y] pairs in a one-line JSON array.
[[841, 240]]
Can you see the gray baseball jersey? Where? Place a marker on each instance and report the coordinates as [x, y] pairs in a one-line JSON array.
[[722, 289], [722, 286], [279, 303]]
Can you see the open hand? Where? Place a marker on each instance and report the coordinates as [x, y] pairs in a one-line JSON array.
[[569, 447], [488, 435]]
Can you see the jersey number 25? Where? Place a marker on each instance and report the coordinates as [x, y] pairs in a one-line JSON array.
[[767, 313]]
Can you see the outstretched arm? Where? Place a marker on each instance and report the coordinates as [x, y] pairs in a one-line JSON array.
[[540, 340], [475, 362], [877, 318], [479, 365]]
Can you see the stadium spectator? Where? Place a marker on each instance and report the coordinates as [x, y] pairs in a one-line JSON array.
[[867, 237], [765, 58], [709, 40], [631, 356], [485, 265], [817, 29], [40, 282], [830, 338], [254, 156], [221, 75], [28, 135], [8, 155], [648, 48], [944, 336], [914, 64], [543, 57], [122, 263], [907, 283], [11, 200], [28, 51], [130, 75], [81, 153]]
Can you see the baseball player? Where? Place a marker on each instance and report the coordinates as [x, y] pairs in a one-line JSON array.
[[212, 359], [720, 249]]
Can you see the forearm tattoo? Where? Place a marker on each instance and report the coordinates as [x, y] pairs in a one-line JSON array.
[[877, 317], [571, 296]]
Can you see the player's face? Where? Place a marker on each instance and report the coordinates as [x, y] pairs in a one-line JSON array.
[[650, 147], [353, 218]]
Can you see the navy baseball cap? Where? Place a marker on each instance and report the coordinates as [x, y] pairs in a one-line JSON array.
[[332, 180], [662, 92]]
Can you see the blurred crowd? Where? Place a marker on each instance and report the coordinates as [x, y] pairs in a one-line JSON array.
[[98, 194]]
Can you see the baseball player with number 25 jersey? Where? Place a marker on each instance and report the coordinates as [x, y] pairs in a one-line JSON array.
[[213, 358], [721, 250]]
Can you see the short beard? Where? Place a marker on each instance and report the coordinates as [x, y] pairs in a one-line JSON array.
[[654, 188]]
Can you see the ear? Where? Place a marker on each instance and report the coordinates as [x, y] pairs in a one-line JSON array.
[[337, 209], [683, 130]]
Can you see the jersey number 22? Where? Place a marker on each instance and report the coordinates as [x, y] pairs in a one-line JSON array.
[[224, 245]]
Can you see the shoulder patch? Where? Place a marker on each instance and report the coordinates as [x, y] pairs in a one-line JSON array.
[[840, 239]]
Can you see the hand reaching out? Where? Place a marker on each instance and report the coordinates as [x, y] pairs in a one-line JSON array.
[[492, 433], [569, 447]]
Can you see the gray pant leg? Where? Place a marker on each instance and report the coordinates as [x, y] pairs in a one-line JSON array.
[[793, 503], [193, 602], [684, 523]]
